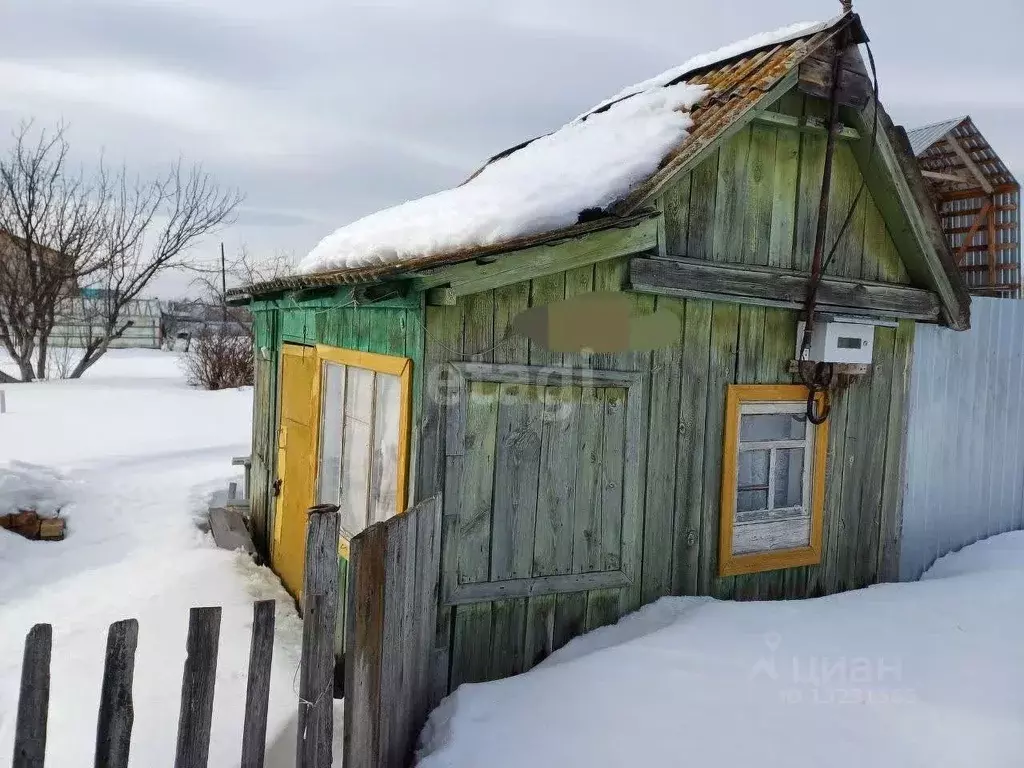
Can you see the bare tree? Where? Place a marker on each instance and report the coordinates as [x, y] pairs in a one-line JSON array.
[[62, 229], [222, 355]]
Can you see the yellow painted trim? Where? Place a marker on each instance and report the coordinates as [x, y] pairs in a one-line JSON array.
[[734, 565], [392, 366]]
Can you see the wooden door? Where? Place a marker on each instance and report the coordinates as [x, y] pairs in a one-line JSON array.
[[296, 461], [542, 480]]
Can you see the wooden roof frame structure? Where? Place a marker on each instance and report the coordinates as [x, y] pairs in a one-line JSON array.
[[960, 165]]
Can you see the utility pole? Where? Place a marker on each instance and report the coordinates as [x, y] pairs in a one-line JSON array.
[[223, 285]]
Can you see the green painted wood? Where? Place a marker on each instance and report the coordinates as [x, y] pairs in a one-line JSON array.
[[880, 254], [602, 608], [509, 301], [613, 477], [535, 263], [866, 561], [833, 546], [662, 434], [849, 249], [508, 627], [440, 473], [700, 235], [749, 357], [477, 488], [546, 290], [471, 640], [721, 372], [578, 281], [860, 442], [552, 549], [675, 205], [588, 552], [689, 481], [895, 456], [812, 163], [760, 195], [471, 655], [782, 239], [518, 470], [478, 345], [731, 205]]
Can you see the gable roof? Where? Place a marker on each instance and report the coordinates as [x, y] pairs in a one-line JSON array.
[[734, 83], [709, 93], [929, 144]]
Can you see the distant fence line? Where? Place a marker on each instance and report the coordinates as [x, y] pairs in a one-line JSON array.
[[965, 438]]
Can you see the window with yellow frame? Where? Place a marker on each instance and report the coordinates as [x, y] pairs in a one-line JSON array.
[[773, 480], [365, 405]]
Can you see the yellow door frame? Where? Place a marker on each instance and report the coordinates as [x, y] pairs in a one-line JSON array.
[[401, 367]]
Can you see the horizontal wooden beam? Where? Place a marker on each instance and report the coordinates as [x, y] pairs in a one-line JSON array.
[[982, 247], [964, 230], [767, 286], [815, 125], [966, 194], [975, 211], [937, 176], [488, 591], [530, 263]]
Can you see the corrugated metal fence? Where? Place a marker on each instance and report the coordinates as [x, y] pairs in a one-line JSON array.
[[965, 441]]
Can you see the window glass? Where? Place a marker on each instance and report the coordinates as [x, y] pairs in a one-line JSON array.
[[355, 456], [788, 471], [329, 491], [757, 427], [386, 433]]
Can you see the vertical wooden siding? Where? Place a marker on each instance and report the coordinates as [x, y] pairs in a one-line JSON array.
[[720, 344], [755, 201]]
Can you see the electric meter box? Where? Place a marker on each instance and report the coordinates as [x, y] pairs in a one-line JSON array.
[[838, 342]]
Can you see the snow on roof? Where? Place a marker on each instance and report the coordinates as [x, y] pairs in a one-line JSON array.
[[711, 58], [588, 164]]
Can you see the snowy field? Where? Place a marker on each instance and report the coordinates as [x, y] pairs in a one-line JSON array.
[[135, 454], [921, 675]]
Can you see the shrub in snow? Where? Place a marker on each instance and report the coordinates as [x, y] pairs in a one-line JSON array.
[[218, 359]]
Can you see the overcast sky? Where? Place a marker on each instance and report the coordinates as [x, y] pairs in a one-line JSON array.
[[321, 111]]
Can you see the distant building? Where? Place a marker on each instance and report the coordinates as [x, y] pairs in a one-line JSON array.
[[978, 201]]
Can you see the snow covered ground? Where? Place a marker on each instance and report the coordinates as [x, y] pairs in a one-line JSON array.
[[135, 453], [924, 675]]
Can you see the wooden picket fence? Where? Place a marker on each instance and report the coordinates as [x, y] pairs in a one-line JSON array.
[[116, 712]]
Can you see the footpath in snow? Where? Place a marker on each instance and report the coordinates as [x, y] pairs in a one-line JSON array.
[[919, 675], [134, 454]]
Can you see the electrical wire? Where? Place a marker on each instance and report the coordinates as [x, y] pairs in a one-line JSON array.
[[821, 378]]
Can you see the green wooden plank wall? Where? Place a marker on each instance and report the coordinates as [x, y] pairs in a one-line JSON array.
[[719, 344], [755, 201]]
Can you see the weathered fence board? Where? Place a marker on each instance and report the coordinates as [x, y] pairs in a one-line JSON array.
[[33, 699], [965, 435], [257, 691], [320, 616], [117, 710], [197, 686], [316, 673], [393, 599]]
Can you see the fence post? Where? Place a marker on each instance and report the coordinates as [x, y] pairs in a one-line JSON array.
[[319, 616], [33, 699], [197, 686], [117, 711], [257, 691]]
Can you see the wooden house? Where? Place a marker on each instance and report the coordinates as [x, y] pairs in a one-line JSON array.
[[586, 474], [978, 200]]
